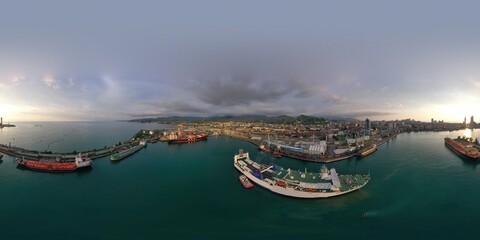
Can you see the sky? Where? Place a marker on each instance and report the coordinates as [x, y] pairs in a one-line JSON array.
[[118, 60]]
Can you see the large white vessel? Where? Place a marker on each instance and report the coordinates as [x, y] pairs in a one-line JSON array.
[[324, 184]]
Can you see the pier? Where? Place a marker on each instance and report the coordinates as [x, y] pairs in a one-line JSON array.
[[92, 154], [149, 135], [33, 154], [5, 125]]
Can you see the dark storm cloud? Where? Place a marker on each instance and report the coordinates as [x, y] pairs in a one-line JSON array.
[[335, 99], [335, 57], [165, 108], [245, 89], [361, 114]]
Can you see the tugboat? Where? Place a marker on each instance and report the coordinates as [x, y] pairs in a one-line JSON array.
[[56, 165], [245, 182]]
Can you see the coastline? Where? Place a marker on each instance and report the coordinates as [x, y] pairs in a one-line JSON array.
[[323, 159]]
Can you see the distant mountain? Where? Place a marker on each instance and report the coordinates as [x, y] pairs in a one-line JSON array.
[[238, 117], [168, 119], [282, 119], [340, 118], [302, 119]]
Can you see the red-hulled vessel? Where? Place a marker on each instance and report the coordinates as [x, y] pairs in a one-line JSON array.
[[55, 166], [463, 148], [245, 182], [189, 138], [276, 153]]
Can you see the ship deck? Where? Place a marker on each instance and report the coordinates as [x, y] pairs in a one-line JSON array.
[[310, 179]]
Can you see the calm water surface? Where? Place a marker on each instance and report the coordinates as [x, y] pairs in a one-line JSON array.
[[419, 190]]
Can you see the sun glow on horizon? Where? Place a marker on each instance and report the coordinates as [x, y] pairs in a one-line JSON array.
[[468, 133], [456, 112]]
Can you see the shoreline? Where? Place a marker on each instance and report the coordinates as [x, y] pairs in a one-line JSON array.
[[322, 160], [99, 153]]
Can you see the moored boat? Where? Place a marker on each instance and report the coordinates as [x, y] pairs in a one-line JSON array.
[[367, 150], [245, 182], [189, 138], [127, 152], [276, 153], [463, 148], [298, 184], [55, 165]]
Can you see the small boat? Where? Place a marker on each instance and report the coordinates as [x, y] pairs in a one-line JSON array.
[[370, 214], [245, 182], [1, 156]]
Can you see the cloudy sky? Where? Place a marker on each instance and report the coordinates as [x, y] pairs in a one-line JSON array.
[[106, 60]]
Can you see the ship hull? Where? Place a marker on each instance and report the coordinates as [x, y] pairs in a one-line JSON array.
[[290, 191], [367, 152], [188, 140], [126, 153], [245, 182], [459, 152], [53, 167]]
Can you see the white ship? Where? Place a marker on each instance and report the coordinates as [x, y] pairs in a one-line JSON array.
[[324, 184]]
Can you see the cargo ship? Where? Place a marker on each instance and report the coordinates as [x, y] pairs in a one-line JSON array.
[[55, 165], [188, 138], [245, 182], [367, 150], [463, 148], [127, 152], [298, 184], [274, 153]]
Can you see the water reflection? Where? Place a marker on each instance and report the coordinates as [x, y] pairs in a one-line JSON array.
[[468, 133]]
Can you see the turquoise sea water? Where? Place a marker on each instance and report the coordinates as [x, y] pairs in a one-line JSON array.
[[419, 190]]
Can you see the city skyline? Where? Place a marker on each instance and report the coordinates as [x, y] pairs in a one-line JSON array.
[[125, 60]]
